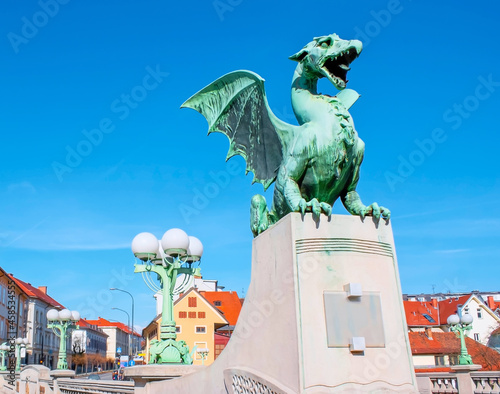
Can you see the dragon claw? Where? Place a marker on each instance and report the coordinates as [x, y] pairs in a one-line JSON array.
[[327, 208], [386, 214], [302, 206], [376, 211], [314, 206]]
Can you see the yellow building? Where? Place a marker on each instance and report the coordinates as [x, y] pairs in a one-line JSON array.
[[196, 321]]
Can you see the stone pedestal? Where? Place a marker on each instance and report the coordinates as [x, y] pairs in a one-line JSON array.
[[33, 379], [323, 313], [464, 380]]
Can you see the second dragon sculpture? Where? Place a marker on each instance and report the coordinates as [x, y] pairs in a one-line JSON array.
[[314, 163]]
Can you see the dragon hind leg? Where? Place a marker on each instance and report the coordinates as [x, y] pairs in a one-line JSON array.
[[260, 217]]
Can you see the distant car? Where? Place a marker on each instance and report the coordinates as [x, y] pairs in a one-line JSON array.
[[94, 376]]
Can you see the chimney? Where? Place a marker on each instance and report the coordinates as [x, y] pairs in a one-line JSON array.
[[435, 303], [428, 332], [43, 289], [491, 303]]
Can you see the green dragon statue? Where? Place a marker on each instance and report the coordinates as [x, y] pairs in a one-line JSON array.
[[313, 163]]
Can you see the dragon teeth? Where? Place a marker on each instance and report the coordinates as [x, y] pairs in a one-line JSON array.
[[344, 67]]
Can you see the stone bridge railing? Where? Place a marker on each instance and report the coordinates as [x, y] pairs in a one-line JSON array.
[[37, 379], [40, 380], [460, 381], [79, 386]]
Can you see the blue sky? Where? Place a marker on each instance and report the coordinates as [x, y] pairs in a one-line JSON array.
[[429, 115]]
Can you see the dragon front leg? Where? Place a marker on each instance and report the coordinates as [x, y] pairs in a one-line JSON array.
[[355, 206], [287, 187]]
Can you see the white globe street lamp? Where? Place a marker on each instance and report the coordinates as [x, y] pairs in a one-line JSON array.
[[4, 349], [460, 325], [61, 322], [174, 255], [203, 352], [20, 343]]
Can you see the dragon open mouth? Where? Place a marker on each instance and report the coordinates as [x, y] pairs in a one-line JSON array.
[[338, 66]]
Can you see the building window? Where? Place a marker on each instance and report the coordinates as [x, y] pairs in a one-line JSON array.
[[177, 329], [439, 360], [192, 302], [479, 313], [201, 315], [182, 315], [453, 360], [476, 336], [200, 329], [218, 349], [217, 303], [192, 315]]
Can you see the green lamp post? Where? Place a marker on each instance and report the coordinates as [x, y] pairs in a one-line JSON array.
[[20, 344], [61, 322], [169, 258], [460, 325], [4, 349], [203, 352]]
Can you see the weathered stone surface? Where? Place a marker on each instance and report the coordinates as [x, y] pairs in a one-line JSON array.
[[280, 341]]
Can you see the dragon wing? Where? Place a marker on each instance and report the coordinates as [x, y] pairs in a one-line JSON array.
[[236, 105]]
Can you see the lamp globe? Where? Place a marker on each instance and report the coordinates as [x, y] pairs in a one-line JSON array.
[[65, 315], [466, 319], [175, 242], [75, 315], [145, 246], [52, 315], [453, 320], [195, 249]]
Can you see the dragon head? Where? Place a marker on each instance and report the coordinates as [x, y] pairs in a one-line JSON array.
[[330, 57]]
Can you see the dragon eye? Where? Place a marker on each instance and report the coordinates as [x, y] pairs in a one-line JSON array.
[[326, 43]]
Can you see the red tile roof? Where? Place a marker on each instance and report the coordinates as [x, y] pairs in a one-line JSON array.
[[439, 311], [447, 343], [82, 323], [450, 306], [35, 293], [230, 304], [492, 304], [437, 369], [415, 312], [101, 322]]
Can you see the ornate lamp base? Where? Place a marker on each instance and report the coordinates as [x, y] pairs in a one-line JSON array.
[[169, 351], [465, 360], [62, 364]]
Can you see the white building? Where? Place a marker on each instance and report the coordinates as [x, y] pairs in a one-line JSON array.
[[120, 338], [89, 339], [44, 343]]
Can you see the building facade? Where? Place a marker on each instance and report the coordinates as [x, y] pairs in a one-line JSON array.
[[43, 342], [422, 313], [120, 340], [197, 321], [13, 309], [88, 339]]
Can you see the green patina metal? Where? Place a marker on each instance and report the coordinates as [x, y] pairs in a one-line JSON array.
[[460, 331], [3, 352], [312, 164], [167, 349], [61, 328]]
